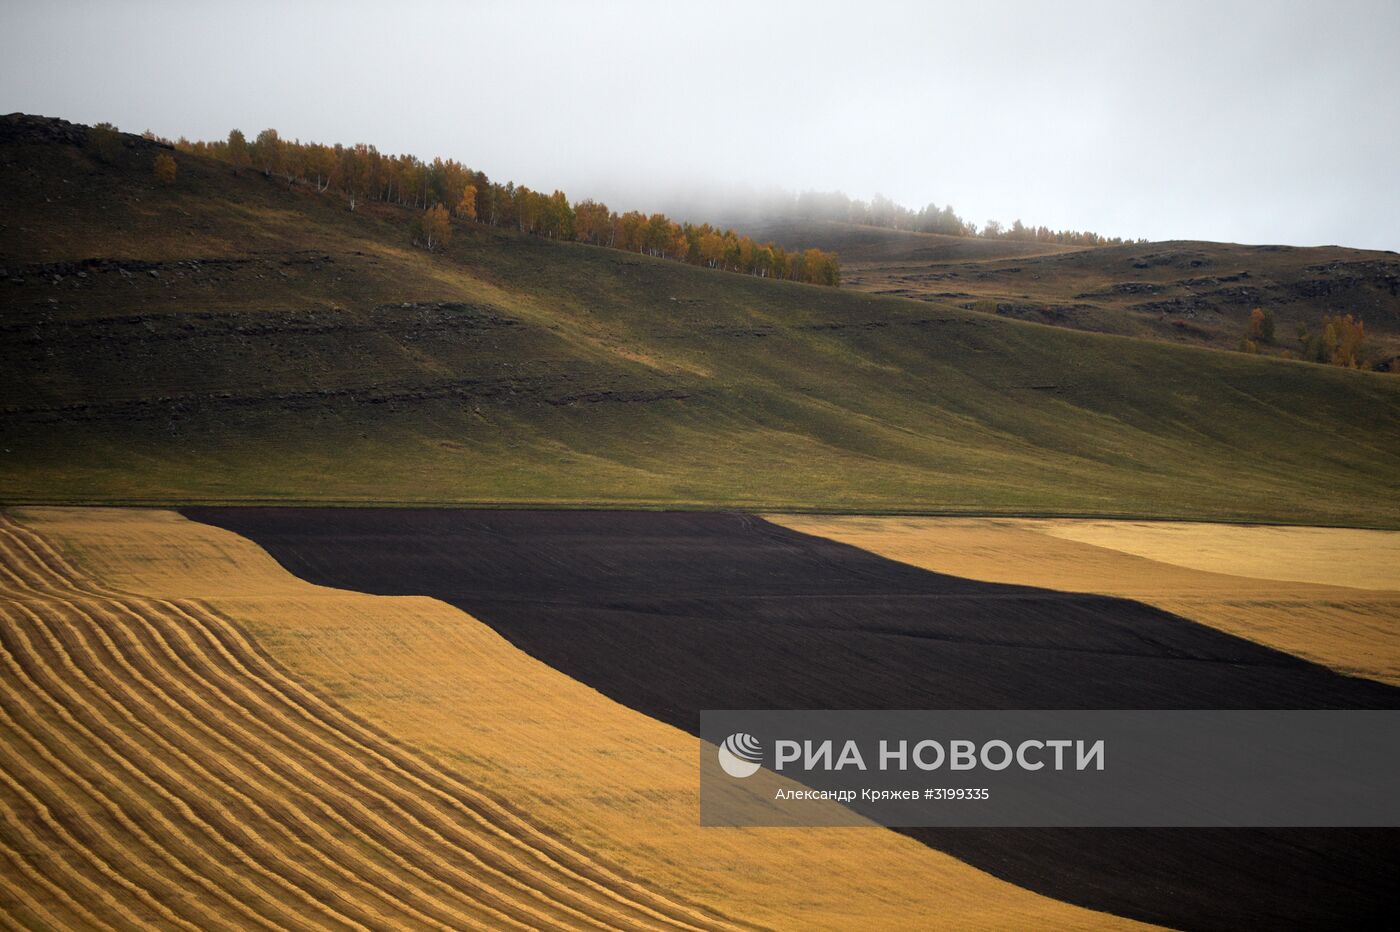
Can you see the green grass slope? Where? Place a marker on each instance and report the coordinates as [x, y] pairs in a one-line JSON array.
[[231, 339]]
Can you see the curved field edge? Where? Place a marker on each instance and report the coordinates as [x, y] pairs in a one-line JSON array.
[[675, 613], [1351, 626], [482, 722]]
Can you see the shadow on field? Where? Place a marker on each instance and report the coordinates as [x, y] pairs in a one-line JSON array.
[[671, 613]]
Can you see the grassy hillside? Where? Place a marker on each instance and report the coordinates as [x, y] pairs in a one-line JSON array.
[[232, 339], [1182, 292]]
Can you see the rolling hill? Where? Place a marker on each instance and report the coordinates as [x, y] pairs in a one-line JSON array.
[[1191, 292], [229, 338]]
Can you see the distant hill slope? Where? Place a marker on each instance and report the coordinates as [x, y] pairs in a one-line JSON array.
[[1182, 292], [859, 245], [231, 338]]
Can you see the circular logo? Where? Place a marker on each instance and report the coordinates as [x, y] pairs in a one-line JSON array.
[[741, 755]]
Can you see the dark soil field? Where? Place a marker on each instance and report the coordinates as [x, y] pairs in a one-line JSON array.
[[674, 613]]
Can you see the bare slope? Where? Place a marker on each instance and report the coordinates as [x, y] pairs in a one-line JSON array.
[[233, 339]]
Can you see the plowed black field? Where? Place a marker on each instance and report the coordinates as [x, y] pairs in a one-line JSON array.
[[673, 613]]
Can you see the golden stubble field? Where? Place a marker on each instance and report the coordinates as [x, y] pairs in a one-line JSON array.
[[1331, 595], [194, 738]]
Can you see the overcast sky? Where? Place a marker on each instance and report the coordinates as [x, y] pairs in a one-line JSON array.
[[1252, 122]]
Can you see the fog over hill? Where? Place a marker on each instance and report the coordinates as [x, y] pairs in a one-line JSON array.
[[1245, 122]]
